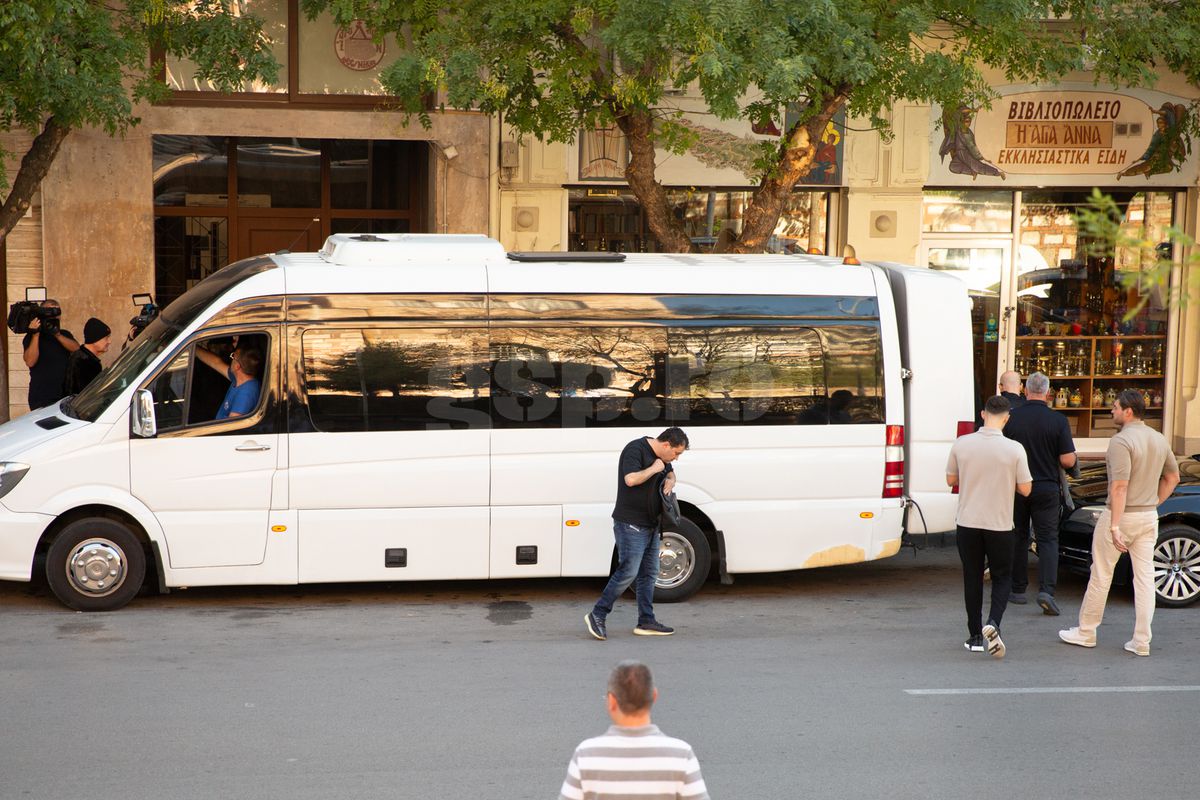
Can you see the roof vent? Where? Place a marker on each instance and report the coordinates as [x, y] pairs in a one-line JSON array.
[[581, 256], [368, 237]]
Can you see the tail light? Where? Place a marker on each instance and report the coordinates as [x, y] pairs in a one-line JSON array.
[[893, 463], [964, 427]]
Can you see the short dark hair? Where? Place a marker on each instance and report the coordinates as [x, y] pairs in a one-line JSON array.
[[997, 405], [632, 684], [250, 359], [675, 437], [1133, 400]]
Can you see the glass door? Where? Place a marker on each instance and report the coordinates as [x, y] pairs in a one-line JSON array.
[[984, 265]]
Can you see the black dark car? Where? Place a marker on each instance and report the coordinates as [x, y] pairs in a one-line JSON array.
[[1177, 555]]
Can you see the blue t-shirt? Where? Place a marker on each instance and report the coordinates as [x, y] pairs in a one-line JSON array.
[[239, 400]]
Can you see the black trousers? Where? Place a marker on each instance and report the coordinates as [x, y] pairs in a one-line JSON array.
[[1041, 510], [974, 545]]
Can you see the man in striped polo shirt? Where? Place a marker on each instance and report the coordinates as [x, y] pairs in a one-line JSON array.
[[633, 759]]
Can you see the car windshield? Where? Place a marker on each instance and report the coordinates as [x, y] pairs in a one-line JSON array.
[[158, 335]]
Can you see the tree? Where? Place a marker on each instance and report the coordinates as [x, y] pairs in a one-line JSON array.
[[553, 67], [65, 64]]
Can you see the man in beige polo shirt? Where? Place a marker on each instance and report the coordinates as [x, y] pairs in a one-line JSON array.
[[1142, 473], [987, 468]]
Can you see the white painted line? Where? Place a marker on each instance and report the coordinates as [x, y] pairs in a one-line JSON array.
[[1056, 690]]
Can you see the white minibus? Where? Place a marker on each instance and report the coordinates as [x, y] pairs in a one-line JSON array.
[[420, 407]]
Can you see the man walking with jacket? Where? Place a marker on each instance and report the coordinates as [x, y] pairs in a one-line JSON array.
[[636, 528]]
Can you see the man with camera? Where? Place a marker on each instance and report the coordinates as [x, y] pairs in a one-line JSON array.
[[47, 348]]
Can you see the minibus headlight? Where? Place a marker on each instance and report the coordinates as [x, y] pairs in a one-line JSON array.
[[10, 475]]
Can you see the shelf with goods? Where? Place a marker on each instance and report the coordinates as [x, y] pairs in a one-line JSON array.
[[609, 226], [1084, 378]]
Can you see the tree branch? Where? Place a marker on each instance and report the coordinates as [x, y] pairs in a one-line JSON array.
[[34, 167]]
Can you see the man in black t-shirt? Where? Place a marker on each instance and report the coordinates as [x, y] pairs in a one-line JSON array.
[[1046, 436], [644, 475], [46, 354]]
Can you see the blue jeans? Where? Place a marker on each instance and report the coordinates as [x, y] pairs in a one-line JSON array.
[[637, 559]]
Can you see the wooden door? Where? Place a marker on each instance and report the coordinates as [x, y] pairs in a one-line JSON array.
[[259, 235]]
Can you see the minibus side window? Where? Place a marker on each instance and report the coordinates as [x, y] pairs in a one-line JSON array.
[[191, 390], [747, 376], [170, 392], [578, 377], [395, 379], [854, 372]]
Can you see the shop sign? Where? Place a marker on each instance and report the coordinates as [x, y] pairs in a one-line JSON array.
[[356, 49], [1065, 138]]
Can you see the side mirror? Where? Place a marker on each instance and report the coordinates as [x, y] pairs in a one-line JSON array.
[[142, 415]]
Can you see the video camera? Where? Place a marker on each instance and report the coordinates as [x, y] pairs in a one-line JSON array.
[[148, 311], [23, 312]]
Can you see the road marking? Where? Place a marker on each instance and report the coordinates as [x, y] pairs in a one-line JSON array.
[[1056, 690]]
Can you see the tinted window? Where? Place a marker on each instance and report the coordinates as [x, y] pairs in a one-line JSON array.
[[760, 376], [192, 387], [854, 370], [395, 379], [578, 377]]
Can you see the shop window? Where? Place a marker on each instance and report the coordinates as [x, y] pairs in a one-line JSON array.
[[337, 60], [967, 211], [187, 250], [181, 73], [612, 219], [1079, 319], [191, 170], [279, 173], [370, 174]]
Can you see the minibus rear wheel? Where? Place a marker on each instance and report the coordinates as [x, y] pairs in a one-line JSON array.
[[684, 562], [95, 564]]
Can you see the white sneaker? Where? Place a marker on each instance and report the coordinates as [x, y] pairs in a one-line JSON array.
[[1137, 649], [995, 645], [1073, 636]]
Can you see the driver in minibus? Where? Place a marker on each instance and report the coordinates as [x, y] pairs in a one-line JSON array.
[[245, 364]]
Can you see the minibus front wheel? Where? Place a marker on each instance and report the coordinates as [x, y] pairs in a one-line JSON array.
[[684, 561], [95, 564]]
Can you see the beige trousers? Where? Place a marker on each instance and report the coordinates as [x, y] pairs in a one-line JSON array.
[[1139, 532]]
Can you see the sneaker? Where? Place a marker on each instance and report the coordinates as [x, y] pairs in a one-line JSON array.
[[1073, 636], [1137, 649], [974, 644], [653, 628], [995, 645], [595, 626], [1046, 601], [1017, 598]]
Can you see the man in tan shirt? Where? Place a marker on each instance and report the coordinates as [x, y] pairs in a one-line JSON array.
[[1142, 473], [987, 468]]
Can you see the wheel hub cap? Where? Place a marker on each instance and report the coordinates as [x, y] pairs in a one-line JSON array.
[[676, 561], [96, 567], [1177, 569]]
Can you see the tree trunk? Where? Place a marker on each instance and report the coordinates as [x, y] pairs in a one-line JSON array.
[[34, 167], [638, 127], [798, 149]]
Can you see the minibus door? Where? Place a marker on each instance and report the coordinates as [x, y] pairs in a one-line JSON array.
[[208, 481]]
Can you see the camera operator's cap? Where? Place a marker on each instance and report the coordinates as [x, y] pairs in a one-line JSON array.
[[94, 330]]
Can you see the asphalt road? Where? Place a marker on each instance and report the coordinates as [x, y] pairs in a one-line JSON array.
[[793, 685]]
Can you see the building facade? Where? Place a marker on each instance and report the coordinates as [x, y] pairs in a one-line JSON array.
[[989, 195]]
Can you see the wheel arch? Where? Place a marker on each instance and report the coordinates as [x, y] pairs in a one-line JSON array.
[[153, 555]]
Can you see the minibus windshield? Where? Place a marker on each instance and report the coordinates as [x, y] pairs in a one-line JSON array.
[[106, 386], [158, 335]]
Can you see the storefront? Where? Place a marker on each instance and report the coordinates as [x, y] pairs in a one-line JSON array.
[[1000, 210]]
